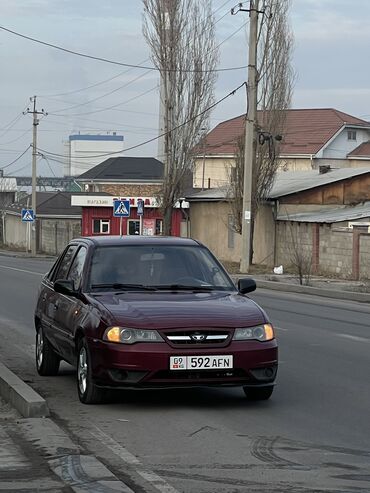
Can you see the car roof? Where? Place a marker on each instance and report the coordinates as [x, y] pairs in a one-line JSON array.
[[111, 240]]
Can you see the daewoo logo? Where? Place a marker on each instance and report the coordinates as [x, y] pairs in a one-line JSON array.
[[198, 337]]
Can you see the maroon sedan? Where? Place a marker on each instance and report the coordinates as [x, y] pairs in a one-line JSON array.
[[151, 312]]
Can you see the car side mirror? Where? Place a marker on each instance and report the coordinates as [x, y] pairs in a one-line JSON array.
[[246, 285], [65, 286]]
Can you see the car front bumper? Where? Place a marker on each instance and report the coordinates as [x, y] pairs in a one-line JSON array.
[[148, 365]]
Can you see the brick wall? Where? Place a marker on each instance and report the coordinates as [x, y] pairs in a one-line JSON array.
[[289, 234], [334, 249], [365, 256], [125, 190], [335, 252]]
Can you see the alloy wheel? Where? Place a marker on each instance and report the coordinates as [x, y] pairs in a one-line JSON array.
[[82, 370], [39, 348]]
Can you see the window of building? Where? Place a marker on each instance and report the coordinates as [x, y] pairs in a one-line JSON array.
[[101, 226], [158, 226], [133, 227], [351, 135]]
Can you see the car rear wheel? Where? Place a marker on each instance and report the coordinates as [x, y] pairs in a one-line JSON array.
[[258, 393], [47, 361], [88, 392]]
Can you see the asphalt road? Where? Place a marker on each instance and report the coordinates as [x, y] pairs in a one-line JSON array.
[[312, 436]]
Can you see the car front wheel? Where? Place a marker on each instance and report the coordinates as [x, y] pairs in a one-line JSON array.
[[47, 361], [88, 392], [258, 393]]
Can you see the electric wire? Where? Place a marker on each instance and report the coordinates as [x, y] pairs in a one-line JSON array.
[[54, 112], [18, 138], [113, 107], [17, 159], [103, 95], [51, 96], [114, 62], [231, 93]]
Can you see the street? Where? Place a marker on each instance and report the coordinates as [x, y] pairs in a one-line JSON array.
[[312, 436]]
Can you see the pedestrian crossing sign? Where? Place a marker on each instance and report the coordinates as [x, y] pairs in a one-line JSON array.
[[121, 208], [28, 215]]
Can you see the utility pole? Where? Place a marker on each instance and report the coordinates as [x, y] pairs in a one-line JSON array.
[[166, 94], [35, 123], [250, 136]]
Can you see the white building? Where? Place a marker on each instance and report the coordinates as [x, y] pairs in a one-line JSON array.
[[84, 151]]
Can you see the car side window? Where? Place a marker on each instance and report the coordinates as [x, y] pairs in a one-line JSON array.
[[75, 272], [64, 265]]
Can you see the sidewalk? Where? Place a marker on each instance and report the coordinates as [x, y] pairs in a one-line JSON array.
[[36, 455], [21, 467], [22, 254], [318, 286]]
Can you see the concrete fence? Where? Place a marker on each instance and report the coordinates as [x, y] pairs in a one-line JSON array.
[[333, 250]]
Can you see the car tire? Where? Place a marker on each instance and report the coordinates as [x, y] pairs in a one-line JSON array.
[[47, 361], [258, 393], [88, 392]]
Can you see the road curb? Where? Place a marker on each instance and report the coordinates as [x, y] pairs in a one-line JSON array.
[[26, 255], [21, 396], [327, 293]]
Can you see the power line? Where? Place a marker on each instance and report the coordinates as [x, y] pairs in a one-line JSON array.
[[113, 62], [19, 169], [231, 93], [47, 161], [17, 159], [92, 85], [233, 34], [11, 124], [15, 140], [104, 95], [51, 96], [114, 106]]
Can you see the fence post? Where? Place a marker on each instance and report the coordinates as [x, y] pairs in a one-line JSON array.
[[315, 247]]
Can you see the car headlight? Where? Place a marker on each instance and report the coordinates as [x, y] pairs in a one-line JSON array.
[[264, 332], [130, 336]]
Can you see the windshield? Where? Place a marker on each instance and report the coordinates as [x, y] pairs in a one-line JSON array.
[[161, 267]]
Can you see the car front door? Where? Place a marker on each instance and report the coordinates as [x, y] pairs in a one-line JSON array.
[[70, 309], [54, 331]]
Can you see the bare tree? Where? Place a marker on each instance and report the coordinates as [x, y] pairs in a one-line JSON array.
[[275, 82], [181, 36], [300, 257]]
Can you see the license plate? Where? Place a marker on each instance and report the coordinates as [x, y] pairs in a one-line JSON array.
[[200, 362]]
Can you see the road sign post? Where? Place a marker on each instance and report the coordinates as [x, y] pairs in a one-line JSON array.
[[121, 209], [140, 213]]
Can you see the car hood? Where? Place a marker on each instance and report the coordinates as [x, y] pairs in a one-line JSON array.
[[161, 310]]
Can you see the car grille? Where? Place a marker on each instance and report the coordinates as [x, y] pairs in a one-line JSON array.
[[205, 375], [198, 337]]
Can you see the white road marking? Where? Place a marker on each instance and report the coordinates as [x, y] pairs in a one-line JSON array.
[[354, 338], [280, 328], [160, 484], [22, 270]]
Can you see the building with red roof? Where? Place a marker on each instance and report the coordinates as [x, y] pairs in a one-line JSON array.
[[310, 138]]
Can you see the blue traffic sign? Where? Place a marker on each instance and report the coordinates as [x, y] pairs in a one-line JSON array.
[[28, 215], [121, 208], [140, 207]]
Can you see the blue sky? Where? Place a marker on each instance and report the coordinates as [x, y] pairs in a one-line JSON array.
[[330, 59]]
